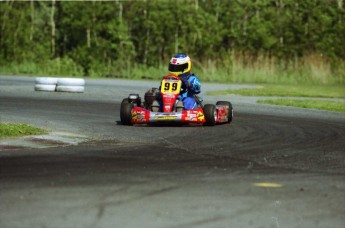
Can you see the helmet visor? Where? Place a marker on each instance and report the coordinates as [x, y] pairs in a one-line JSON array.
[[178, 68]]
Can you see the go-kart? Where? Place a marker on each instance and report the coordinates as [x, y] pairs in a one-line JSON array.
[[161, 105]]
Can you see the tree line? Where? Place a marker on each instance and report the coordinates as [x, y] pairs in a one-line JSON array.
[[98, 37]]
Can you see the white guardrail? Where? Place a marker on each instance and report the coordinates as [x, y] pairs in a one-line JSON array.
[[50, 84]]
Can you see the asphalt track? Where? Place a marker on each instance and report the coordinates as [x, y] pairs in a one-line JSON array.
[[272, 167]]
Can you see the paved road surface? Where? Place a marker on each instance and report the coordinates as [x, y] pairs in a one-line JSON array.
[[272, 167]]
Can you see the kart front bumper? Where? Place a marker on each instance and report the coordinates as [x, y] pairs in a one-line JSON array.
[[145, 116]]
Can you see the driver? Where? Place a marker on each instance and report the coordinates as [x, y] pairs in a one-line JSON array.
[[181, 65]]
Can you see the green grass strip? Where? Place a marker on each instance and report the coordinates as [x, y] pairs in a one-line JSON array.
[[333, 91], [313, 104], [15, 130]]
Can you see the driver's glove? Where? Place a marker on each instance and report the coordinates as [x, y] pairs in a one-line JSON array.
[[184, 79]]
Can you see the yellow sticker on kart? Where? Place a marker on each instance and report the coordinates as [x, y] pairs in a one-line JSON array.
[[201, 116], [171, 86], [165, 117]]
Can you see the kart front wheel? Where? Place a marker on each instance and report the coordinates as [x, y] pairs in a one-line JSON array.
[[126, 112], [125, 100], [210, 113]]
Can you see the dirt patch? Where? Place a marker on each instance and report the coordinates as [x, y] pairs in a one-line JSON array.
[[47, 141], [9, 147]]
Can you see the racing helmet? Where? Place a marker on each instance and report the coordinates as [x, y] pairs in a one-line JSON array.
[[180, 64]]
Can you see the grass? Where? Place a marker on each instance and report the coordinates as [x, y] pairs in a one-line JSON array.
[[315, 91], [229, 67], [312, 75], [330, 91], [313, 104], [16, 130]]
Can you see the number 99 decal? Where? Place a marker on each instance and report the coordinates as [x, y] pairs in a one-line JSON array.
[[170, 87]]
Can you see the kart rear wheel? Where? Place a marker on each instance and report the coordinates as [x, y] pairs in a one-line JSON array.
[[231, 112], [210, 113], [126, 112]]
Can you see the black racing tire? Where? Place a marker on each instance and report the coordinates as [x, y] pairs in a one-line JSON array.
[[210, 113], [125, 100], [126, 112], [231, 111]]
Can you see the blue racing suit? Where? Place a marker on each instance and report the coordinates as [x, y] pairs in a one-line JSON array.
[[191, 86]]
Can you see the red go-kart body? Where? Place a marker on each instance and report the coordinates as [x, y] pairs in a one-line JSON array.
[[169, 108]]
